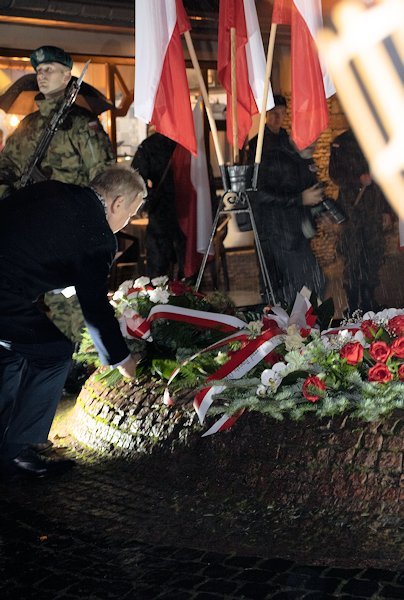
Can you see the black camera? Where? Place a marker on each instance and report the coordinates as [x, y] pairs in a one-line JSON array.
[[330, 208]]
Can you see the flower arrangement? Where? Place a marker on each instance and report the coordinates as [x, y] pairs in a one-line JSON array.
[[136, 298], [165, 321], [356, 368], [277, 363]]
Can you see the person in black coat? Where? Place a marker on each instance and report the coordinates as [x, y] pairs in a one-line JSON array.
[[362, 239], [54, 235], [287, 188], [164, 242]]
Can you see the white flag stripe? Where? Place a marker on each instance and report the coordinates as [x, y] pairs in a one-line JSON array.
[[312, 13], [218, 318], [216, 426], [249, 363], [202, 409], [200, 181], [255, 54], [154, 26]]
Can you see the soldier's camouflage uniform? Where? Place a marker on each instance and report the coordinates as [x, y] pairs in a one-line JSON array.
[[78, 151]]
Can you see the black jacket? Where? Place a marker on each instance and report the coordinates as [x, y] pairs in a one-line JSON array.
[[54, 235], [282, 177]]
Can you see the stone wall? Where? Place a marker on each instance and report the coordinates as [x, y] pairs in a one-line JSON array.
[[337, 463]]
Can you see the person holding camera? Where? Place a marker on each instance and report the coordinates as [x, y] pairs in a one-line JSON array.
[[287, 189]]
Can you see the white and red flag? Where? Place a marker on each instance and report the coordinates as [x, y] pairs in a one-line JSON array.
[[161, 86], [193, 196], [311, 84], [250, 63]]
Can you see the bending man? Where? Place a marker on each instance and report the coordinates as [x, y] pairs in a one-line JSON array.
[[54, 235]]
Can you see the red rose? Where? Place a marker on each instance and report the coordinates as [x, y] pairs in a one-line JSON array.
[[269, 324], [397, 347], [380, 373], [272, 358], [369, 329], [352, 353], [178, 288], [380, 351], [313, 388], [396, 325], [400, 372]]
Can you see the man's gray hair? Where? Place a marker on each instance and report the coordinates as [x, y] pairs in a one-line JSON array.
[[119, 180]]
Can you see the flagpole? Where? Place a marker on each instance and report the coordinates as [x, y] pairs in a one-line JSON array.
[[261, 127], [234, 120], [208, 108]]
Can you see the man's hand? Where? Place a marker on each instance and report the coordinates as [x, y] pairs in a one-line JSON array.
[[128, 368], [312, 195]]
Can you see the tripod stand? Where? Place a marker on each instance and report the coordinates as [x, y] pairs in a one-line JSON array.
[[237, 196]]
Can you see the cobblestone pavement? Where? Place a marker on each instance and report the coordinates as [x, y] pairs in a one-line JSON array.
[[108, 530]]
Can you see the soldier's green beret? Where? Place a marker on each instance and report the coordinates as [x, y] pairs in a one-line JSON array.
[[46, 54]]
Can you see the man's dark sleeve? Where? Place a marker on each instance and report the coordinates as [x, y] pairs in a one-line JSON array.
[[92, 289]]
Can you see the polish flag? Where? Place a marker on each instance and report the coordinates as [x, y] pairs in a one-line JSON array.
[[311, 84], [161, 86], [192, 196], [250, 63]]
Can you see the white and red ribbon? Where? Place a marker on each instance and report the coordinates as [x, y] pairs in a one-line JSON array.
[[239, 364], [139, 327]]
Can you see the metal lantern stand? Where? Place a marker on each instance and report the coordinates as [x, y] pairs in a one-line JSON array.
[[237, 194]]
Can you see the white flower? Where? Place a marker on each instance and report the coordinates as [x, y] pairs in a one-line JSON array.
[[128, 313], [118, 295], [125, 286], [122, 291], [369, 315], [221, 357], [293, 340], [272, 377], [326, 342], [344, 336], [159, 296], [141, 282], [159, 281], [359, 337], [261, 390], [255, 328]]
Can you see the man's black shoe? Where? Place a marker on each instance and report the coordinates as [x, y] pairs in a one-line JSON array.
[[32, 464]]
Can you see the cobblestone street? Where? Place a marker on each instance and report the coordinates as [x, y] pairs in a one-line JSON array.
[[127, 530]]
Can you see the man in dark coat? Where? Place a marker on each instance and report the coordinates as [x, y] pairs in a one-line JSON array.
[[54, 235], [362, 238], [287, 187], [165, 242]]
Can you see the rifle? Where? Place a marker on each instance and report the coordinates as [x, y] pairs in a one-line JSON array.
[[31, 172]]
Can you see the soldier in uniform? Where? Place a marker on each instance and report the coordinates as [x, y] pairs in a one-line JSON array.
[[78, 151], [362, 238]]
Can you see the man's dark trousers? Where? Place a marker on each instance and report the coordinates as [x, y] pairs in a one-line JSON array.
[[32, 376]]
